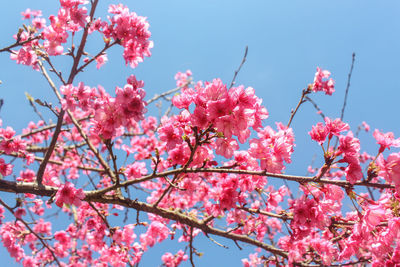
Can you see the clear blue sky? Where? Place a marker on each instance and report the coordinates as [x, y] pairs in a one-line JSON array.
[[287, 40]]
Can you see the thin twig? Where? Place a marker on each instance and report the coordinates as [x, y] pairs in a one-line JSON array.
[[49, 127], [191, 247], [353, 58], [240, 66], [319, 111], [216, 242], [157, 96], [53, 69], [107, 46]]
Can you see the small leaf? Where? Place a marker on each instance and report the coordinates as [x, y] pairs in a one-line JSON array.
[[29, 97]]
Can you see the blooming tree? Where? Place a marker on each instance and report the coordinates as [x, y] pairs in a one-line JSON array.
[[202, 171]]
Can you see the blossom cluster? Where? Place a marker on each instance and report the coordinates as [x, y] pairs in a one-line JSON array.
[[124, 27], [130, 30], [323, 83], [110, 113]]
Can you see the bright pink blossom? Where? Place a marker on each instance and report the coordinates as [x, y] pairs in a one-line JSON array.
[[170, 260], [101, 60], [335, 127], [385, 140], [67, 194], [322, 82], [5, 169], [319, 133]]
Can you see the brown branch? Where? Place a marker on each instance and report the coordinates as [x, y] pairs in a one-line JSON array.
[[17, 43], [42, 167], [114, 161], [184, 219], [285, 217], [299, 179], [14, 187]]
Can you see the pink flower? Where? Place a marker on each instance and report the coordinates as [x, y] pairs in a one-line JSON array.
[[226, 147], [179, 154], [135, 170], [63, 238], [366, 126], [318, 133], [390, 168], [385, 140], [39, 23], [28, 13], [253, 261], [350, 147], [374, 215], [199, 117], [131, 31], [78, 15], [348, 144], [5, 169], [174, 260], [19, 213], [171, 135], [353, 173], [184, 99], [25, 56], [101, 60], [322, 82], [335, 127], [273, 148], [67, 194], [157, 232], [183, 79]]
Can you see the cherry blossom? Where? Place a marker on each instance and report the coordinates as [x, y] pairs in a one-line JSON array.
[[67, 194], [322, 82]]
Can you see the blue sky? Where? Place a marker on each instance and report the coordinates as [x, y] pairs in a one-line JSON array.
[[287, 40]]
